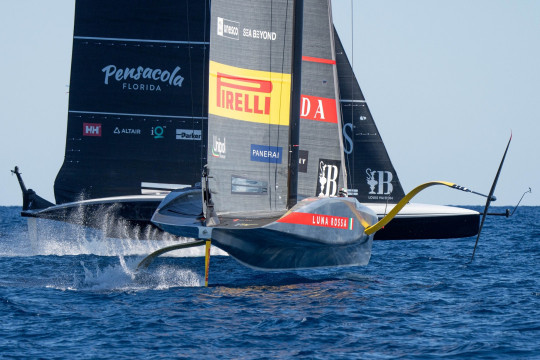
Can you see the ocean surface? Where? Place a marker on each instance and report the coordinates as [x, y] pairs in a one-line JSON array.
[[70, 293]]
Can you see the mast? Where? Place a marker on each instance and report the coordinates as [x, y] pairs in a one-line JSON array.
[[294, 125]]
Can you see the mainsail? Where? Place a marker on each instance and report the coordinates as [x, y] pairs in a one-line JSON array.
[[249, 95], [371, 177], [321, 165], [137, 102]]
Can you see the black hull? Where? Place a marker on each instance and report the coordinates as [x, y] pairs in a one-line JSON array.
[[120, 218], [115, 215], [430, 227]]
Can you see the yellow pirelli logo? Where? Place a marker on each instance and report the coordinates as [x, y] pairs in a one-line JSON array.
[[249, 95]]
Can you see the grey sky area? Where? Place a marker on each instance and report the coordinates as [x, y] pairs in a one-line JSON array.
[[446, 81]]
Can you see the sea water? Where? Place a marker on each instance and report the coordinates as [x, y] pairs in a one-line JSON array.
[[68, 293]]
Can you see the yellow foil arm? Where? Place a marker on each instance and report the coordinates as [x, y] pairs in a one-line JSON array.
[[385, 220]]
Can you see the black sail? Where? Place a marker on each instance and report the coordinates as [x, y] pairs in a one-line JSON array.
[[137, 102], [371, 177], [249, 96]]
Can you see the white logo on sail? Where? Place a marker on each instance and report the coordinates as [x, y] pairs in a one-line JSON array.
[[219, 148], [119, 131], [259, 34], [159, 76], [384, 182], [306, 109], [227, 28], [328, 176]]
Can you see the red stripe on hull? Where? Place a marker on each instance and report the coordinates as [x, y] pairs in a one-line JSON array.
[[330, 221]]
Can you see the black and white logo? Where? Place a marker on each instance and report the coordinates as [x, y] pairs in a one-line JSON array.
[[187, 134], [380, 182], [227, 28], [302, 160], [327, 182]]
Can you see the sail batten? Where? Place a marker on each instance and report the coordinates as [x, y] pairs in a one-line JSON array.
[[142, 40]]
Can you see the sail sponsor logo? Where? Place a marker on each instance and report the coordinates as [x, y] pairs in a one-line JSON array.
[[380, 183], [91, 129], [219, 148], [348, 134], [228, 28], [243, 94], [259, 34], [264, 153], [249, 95], [187, 134], [126, 131], [131, 78], [330, 221], [157, 132], [318, 109], [348, 145], [327, 181], [303, 160]]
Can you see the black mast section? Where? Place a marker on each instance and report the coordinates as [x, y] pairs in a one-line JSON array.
[[294, 123]]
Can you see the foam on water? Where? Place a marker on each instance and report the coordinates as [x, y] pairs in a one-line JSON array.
[[415, 300], [117, 272], [122, 276], [49, 237], [40, 237]]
